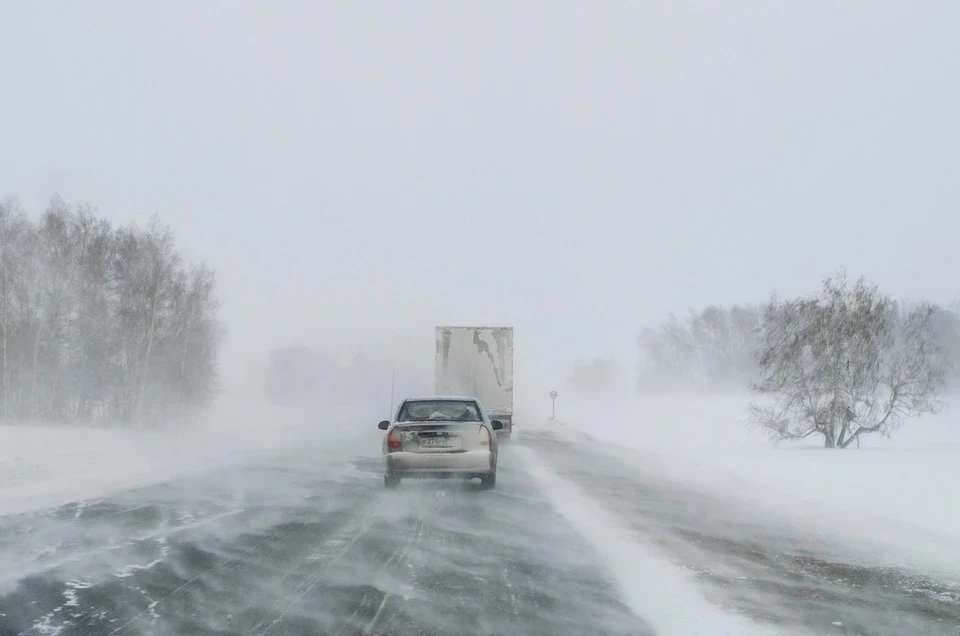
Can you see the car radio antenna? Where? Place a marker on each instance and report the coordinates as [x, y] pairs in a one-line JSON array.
[[393, 384]]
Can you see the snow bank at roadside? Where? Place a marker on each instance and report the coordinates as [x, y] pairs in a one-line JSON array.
[[46, 466], [895, 498], [651, 585]]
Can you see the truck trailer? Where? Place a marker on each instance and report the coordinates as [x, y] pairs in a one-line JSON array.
[[478, 362]]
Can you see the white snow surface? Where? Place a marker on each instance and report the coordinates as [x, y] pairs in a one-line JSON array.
[[45, 466], [673, 604], [892, 499]]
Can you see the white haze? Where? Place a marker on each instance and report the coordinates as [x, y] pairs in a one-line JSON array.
[[359, 172]]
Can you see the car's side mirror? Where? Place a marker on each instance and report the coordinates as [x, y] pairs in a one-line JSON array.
[[497, 425], [384, 425]]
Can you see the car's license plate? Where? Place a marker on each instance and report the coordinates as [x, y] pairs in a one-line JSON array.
[[438, 442]]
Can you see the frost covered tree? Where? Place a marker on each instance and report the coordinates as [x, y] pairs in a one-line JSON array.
[[847, 362], [714, 348], [101, 325]]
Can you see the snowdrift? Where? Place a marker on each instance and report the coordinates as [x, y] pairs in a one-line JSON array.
[[892, 498], [46, 466]]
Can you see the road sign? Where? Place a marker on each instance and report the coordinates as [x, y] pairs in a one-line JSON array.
[[553, 395]]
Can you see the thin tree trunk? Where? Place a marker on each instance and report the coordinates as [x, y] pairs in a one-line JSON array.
[[80, 409], [147, 353], [183, 355], [36, 358], [21, 377], [6, 371]]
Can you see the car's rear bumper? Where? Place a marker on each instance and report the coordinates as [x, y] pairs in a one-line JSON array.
[[467, 463]]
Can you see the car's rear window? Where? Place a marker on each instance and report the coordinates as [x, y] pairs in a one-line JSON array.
[[431, 410]]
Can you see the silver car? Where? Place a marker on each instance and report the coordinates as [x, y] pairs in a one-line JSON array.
[[440, 437]]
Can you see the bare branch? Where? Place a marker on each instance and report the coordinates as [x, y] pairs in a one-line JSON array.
[[847, 363]]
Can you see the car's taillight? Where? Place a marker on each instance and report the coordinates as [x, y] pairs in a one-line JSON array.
[[484, 436], [393, 440]]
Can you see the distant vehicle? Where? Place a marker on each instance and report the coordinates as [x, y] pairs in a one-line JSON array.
[[478, 361], [440, 437]]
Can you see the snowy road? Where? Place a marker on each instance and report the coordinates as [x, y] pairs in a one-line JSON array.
[[297, 545]]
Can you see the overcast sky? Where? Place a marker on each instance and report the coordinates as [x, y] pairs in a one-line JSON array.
[[358, 172]]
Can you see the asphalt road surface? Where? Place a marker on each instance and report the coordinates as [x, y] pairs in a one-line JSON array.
[[297, 545]]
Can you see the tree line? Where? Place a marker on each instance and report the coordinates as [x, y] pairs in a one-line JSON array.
[[714, 348], [101, 325], [718, 348], [839, 364]]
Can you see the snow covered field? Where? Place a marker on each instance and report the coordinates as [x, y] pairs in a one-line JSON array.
[[674, 605], [45, 466], [894, 499], [898, 492], [255, 468]]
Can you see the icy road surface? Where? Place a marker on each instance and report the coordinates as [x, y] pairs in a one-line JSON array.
[[573, 541]]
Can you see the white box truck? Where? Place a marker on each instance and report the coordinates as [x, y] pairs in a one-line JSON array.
[[478, 362]]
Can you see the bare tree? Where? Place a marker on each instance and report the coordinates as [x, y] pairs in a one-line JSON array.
[[101, 325], [195, 339], [846, 363], [16, 242], [161, 269], [715, 348]]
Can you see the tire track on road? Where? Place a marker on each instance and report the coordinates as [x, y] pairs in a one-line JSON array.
[[251, 563], [225, 567], [399, 558], [431, 558], [349, 544], [386, 583], [502, 562]]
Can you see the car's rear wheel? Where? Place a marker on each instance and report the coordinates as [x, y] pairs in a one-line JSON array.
[[391, 481], [489, 482]]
